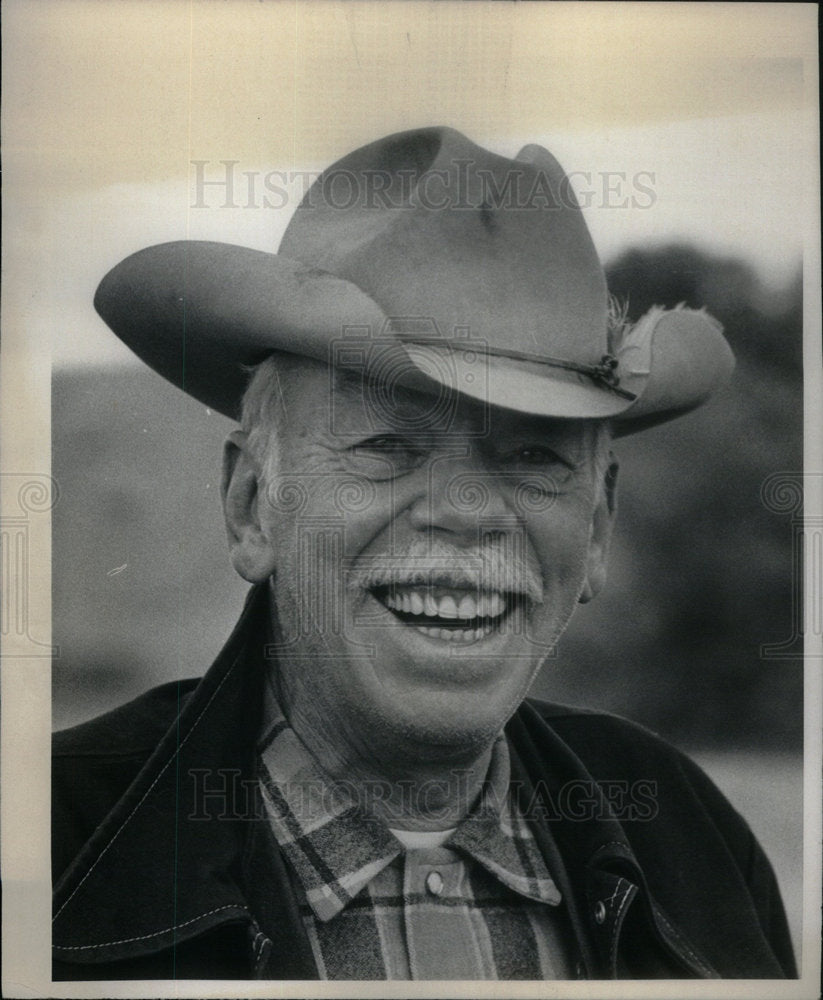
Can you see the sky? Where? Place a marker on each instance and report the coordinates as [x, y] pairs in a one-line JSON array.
[[676, 122]]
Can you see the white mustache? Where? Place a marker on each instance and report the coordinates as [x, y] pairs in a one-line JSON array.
[[497, 565]]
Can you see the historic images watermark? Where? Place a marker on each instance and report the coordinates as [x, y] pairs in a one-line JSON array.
[[784, 493], [223, 794], [27, 497], [225, 184]]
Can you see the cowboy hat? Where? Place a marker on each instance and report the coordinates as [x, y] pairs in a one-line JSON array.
[[424, 259]]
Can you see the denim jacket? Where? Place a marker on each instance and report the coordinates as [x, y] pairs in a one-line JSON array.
[[165, 867]]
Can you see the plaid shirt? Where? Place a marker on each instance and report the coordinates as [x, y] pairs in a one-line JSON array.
[[482, 906]]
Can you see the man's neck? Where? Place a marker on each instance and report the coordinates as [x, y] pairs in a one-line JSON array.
[[425, 796], [403, 786]]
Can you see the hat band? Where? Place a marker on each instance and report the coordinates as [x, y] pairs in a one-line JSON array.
[[603, 374]]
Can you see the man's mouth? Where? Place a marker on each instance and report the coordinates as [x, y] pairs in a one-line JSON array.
[[447, 613]]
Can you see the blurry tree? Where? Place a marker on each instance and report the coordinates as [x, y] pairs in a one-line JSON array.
[[763, 327], [702, 569]]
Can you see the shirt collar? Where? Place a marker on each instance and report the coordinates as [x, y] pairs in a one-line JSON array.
[[336, 846]]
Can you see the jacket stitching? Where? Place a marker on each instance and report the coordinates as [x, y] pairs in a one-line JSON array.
[[701, 965], [617, 888], [160, 774], [610, 843], [627, 895], [259, 944], [144, 937]]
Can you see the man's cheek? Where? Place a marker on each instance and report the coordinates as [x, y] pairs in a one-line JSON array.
[[308, 579]]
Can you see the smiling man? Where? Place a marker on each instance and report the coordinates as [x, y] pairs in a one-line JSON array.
[[445, 615], [427, 376]]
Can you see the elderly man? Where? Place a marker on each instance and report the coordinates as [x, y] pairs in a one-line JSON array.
[[427, 376]]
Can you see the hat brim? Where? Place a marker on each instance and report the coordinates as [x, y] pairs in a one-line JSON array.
[[202, 314], [526, 386]]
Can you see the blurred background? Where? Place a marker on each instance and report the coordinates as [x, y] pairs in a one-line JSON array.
[[691, 137]]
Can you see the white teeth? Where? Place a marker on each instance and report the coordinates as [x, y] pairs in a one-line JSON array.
[[495, 604], [467, 608], [447, 608], [455, 635], [457, 606]]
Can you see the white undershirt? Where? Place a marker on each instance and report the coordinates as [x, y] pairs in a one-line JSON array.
[[415, 840]]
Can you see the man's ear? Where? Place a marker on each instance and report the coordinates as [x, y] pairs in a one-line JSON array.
[[250, 548], [600, 533]]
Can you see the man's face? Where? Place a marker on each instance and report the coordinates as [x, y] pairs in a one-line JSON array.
[[425, 560]]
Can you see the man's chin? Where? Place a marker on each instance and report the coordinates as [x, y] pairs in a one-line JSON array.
[[434, 728], [442, 696]]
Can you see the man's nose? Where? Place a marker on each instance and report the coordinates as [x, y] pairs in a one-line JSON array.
[[462, 497]]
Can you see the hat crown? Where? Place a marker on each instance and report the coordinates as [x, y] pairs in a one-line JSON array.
[[425, 241], [432, 226]]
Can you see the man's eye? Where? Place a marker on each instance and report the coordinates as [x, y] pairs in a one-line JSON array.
[[535, 454], [390, 445], [384, 442], [539, 461], [386, 455]]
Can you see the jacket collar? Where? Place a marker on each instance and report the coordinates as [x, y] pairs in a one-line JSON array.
[[179, 878], [584, 842]]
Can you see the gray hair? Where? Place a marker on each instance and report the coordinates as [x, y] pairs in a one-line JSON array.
[[260, 412], [604, 474]]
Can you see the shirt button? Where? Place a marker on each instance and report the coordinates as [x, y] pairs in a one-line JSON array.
[[600, 912], [434, 883]]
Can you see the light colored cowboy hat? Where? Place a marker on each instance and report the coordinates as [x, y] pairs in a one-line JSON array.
[[424, 259]]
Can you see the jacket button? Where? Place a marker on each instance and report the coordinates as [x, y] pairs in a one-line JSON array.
[[434, 883], [600, 912]]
